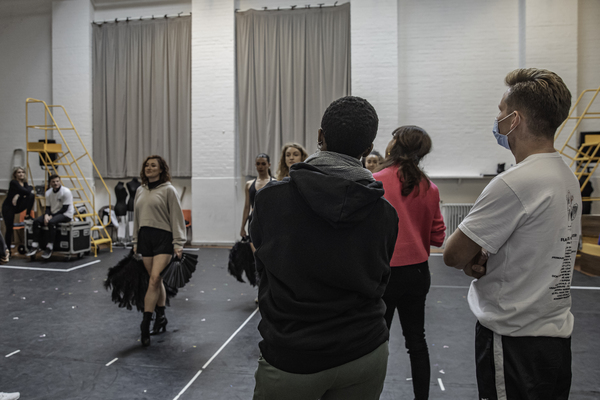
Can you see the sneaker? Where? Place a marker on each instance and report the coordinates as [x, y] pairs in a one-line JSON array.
[[9, 396], [5, 258], [47, 253], [32, 252]]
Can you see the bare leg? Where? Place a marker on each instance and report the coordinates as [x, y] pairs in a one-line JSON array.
[[155, 265], [162, 296]]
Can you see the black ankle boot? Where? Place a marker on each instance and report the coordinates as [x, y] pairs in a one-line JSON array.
[[160, 323], [145, 328]]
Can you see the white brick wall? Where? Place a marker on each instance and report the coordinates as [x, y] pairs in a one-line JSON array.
[[25, 65], [453, 59], [374, 38], [213, 143], [72, 72]]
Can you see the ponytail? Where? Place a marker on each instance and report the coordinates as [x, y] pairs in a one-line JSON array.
[[410, 144]]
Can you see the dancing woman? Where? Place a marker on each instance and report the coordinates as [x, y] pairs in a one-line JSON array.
[[158, 234], [20, 197], [291, 153], [263, 167], [416, 200]]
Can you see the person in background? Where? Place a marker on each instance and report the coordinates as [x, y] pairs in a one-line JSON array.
[[59, 209], [324, 239], [420, 225], [20, 197], [520, 240], [373, 161], [263, 167], [291, 153], [158, 235]]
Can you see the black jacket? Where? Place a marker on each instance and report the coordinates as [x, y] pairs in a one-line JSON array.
[[323, 247]]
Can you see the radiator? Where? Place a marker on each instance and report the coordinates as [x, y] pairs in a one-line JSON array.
[[453, 215]]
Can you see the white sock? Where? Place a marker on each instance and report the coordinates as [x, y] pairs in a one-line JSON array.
[[35, 244], [50, 246]]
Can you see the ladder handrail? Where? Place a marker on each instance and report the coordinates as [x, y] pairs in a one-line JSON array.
[[68, 163], [586, 153]]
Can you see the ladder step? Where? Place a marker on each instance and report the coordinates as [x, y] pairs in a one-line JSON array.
[[101, 241], [85, 215]]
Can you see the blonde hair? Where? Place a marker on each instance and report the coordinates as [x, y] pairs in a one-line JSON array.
[[14, 173], [542, 96], [283, 170]]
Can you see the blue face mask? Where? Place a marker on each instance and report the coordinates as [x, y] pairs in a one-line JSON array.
[[500, 138]]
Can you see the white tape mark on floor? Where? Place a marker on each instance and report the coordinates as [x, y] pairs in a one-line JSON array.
[[112, 362], [51, 269], [12, 354], [216, 354], [84, 265], [188, 385], [449, 287], [441, 384], [229, 340]]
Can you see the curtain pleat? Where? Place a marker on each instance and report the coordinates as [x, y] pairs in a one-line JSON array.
[[290, 65], [142, 95]]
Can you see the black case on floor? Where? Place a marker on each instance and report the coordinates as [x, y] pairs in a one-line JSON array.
[[71, 237]]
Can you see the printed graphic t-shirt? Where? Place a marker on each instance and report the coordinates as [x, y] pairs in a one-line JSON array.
[[58, 199], [529, 219]]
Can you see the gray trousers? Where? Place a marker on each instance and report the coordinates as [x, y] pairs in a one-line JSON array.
[[361, 379]]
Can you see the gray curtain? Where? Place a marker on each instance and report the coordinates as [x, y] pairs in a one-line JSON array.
[[290, 66], [141, 95]]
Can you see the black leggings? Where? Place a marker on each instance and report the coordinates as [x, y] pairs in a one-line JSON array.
[[406, 292], [39, 222], [9, 211]]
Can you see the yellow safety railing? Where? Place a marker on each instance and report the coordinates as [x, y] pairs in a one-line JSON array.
[[83, 193], [586, 157]]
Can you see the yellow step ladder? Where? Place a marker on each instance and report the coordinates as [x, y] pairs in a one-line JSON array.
[[586, 157], [66, 164]]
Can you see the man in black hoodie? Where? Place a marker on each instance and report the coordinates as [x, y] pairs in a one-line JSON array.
[[324, 238]]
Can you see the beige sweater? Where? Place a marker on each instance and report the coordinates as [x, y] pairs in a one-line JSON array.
[[159, 208]]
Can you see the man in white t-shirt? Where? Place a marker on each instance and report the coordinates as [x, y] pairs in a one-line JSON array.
[[520, 241], [59, 208]]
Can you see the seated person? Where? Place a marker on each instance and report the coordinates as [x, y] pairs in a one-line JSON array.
[[59, 209], [20, 197]]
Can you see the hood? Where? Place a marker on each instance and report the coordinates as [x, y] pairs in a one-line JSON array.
[[341, 202]]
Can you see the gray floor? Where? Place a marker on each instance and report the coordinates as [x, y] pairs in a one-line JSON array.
[[68, 332]]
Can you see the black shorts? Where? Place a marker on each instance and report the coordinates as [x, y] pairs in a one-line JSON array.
[[153, 241]]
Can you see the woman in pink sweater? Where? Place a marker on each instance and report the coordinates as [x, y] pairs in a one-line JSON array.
[[416, 200]]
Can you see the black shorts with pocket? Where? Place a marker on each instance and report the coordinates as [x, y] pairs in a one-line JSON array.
[[153, 241]]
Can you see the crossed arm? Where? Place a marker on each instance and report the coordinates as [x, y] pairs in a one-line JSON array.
[[463, 253]]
